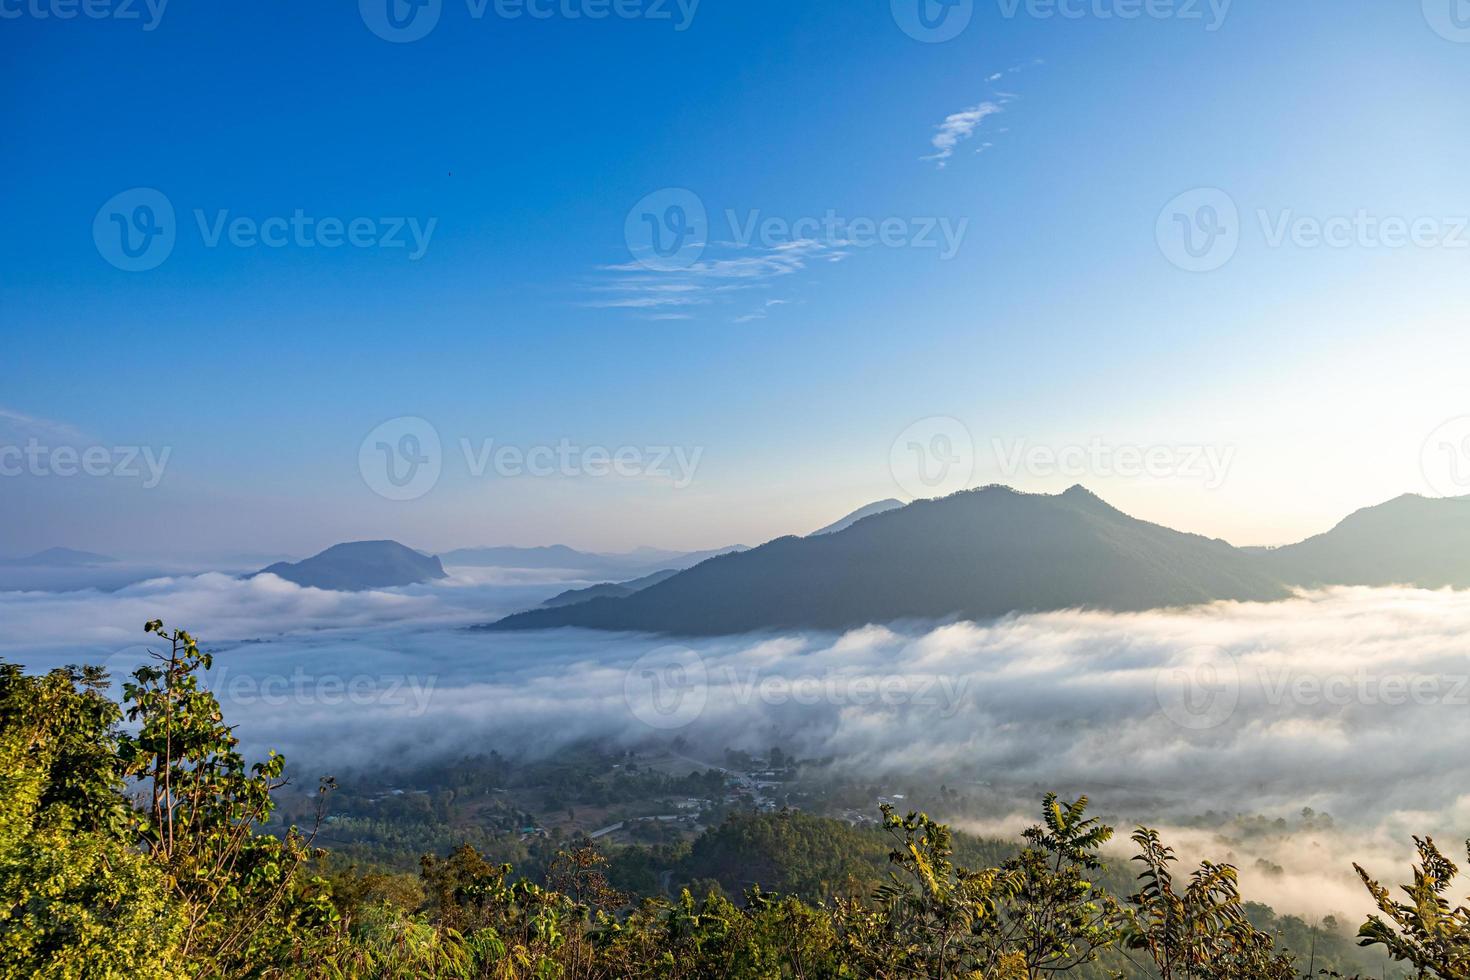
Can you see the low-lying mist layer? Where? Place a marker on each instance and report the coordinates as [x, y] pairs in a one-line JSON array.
[[1352, 702]]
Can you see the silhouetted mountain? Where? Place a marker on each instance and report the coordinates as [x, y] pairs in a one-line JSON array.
[[360, 565], [608, 590], [688, 559], [644, 554], [585, 564], [61, 558], [603, 590], [881, 507], [1410, 540], [978, 554], [552, 556]]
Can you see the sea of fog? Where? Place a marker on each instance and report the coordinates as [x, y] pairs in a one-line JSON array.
[[1353, 702]]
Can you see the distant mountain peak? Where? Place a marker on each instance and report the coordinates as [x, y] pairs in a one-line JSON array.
[[1079, 496], [842, 524], [62, 558], [355, 566], [977, 554], [1410, 540], [608, 568]]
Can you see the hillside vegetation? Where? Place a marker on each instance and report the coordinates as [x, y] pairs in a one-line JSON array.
[[140, 852]]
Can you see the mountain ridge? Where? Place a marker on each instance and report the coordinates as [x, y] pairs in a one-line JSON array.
[[977, 554], [608, 590], [356, 566], [842, 524], [1409, 540], [594, 566], [61, 558]]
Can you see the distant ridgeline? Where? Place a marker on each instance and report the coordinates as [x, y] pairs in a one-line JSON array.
[[360, 565], [986, 553]]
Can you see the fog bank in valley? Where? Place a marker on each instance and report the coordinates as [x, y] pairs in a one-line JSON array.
[[1352, 702]]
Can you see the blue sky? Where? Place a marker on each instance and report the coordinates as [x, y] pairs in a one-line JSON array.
[[1325, 375]]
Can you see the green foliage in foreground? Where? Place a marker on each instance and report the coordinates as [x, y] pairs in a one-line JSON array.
[[142, 854]]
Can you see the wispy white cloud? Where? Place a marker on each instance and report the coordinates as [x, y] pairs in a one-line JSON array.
[[32, 425], [958, 127], [729, 269], [762, 312]]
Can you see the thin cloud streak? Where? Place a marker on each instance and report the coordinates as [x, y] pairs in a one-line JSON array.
[[713, 281], [958, 127], [32, 425]]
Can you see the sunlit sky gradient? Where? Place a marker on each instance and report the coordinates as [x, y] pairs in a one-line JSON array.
[[1059, 320]]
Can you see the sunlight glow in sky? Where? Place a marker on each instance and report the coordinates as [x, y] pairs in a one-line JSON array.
[[693, 280]]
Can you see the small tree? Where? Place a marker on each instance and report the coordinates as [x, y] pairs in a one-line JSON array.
[[76, 898], [1058, 919], [1426, 931], [932, 918], [580, 873], [1200, 933], [203, 809]]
